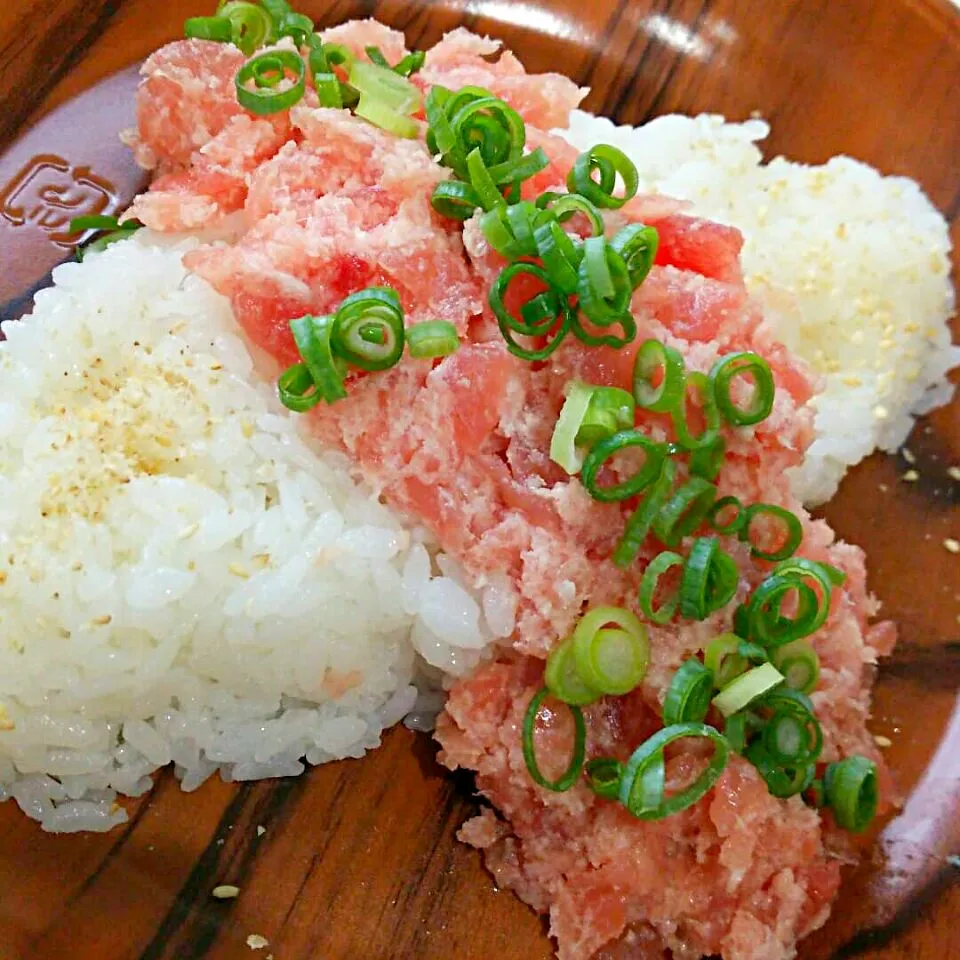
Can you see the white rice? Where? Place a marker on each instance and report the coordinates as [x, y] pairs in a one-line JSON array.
[[853, 270], [182, 578]]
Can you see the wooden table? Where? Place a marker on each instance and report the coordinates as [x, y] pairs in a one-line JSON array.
[[358, 859]]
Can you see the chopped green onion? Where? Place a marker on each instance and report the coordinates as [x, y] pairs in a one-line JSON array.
[[684, 511], [610, 409], [410, 64], [603, 283], [641, 520], [626, 323], [95, 221], [837, 577], [267, 71], [374, 111], [612, 660], [689, 693], [743, 364], [649, 584], [313, 336], [741, 621], [709, 580], [559, 253], [376, 56], [821, 574], [723, 659], [663, 365], [375, 307], [454, 199], [297, 390], [208, 28], [737, 730], [851, 790], [735, 523], [297, 26], [567, 779], [391, 90], [642, 783], [554, 314], [432, 338], [565, 205], [746, 688], [602, 451], [251, 25], [513, 172], [603, 776], [792, 733], [711, 417], [482, 183], [563, 679], [799, 664], [792, 530], [563, 443], [111, 230], [637, 244], [607, 161], [706, 461], [782, 781], [768, 625]]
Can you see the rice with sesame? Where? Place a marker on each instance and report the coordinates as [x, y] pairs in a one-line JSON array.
[[172, 548], [852, 268]]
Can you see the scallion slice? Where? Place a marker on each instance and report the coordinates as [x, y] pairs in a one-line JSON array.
[[565, 205], [708, 410], [791, 530], [707, 461], [641, 520], [649, 584], [637, 244], [723, 659], [611, 410], [746, 688], [736, 521], [313, 336], [709, 579], [606, 161], [684, 511], [454, 199], [611, 659], [851, 790], [640, 795], [558, 252], [554, 317], [658, 377], [782, 781], [297, 390], [251, 24], [689, 693], [563, 679], [768, 625], [743, 364], [373, 309], [481, 181], [602, 451], [208, 28], [267, 72], [799, 664], [603, 283], [603, 776], [563, 443], [432, 338], [792, 733], [567, 779], [376, 112]]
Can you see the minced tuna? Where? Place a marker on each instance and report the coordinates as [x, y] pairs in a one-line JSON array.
[[314, 204]]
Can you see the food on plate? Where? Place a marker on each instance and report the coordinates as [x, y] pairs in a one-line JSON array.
[[387, 400]]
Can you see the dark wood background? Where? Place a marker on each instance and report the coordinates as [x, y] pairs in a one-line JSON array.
[[358, 859]]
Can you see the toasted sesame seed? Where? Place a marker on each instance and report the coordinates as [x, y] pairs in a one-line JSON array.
[[5, 722], [954, 473], [882, 741], [238, 571], [256, 942], [226, 891], [911, 476], [882, 487], [952, 545], [908, 455], [102, 620]]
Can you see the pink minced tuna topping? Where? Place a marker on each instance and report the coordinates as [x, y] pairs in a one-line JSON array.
[[317, 204]]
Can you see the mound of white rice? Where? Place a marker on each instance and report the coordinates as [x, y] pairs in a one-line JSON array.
[[182, 579], [852, 268]]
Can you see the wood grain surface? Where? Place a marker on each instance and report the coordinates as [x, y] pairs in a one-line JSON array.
[[358, 859]]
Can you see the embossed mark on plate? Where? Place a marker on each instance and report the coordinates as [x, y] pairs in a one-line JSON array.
[[50, 191]]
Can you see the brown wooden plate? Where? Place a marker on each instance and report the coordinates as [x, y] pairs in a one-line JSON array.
[[358, 859]]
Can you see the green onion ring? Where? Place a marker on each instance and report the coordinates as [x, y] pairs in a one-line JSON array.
[[694, 587], [556, 321], [722, 658], [658, 566], [707, 461], [782, 781], [767, 626], [605, 449], [626, 322], [735, 524], [709, 410], [792, 733], [744, 689], [567, 779], [637, 244], [684, 511], [608, 161], [799, 664], [266, 71], [614, 659], [792, 527], [482, 182], [431, 339], [649, 757], [689, 693], [454, 199], [641, 520], [559, 253], [522, 168], [851, 791], [296, 389], [563, 679], [652, 357], [603, 283], [603, 776], [565, 205], [313, 336], [218, 29], [378, 307], [736, 365]]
